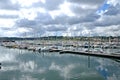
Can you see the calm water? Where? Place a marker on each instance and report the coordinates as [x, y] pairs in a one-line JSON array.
[[26, 65]]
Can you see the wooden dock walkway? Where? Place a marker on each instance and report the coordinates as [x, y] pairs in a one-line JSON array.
[[91, 54]]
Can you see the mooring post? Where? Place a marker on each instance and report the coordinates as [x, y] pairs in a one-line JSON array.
[[0, 65]]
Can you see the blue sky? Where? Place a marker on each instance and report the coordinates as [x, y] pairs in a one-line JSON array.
[[61, 17], [104, 7]]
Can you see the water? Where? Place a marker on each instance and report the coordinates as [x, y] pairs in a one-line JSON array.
[[26, 65]]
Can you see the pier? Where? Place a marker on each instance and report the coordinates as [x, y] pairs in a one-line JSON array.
[[114, 56]]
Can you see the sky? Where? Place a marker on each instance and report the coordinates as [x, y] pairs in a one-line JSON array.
[[38, 18]]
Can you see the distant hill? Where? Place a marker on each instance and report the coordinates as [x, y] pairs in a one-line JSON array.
[[59, 37]]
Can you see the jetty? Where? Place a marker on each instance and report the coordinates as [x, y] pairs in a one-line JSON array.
[[113, 56]]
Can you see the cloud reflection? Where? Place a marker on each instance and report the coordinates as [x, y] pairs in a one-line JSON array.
[[28, 66], [63, 70]]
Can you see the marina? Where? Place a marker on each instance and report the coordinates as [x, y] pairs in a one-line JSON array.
[[59, 39], [58, 60], [72, 47]]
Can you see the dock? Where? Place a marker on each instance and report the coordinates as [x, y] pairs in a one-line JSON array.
[[113, 56], [55, 50]]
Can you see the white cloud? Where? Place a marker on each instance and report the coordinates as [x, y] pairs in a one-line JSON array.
[[41, 10], [107, 30], [30, 14], [65, 9], [23, 30], [55, 13], [7, 23], [86, 31], [113, 2], [11, 32], [26, 3], [43, 1], [86, 7], [8, 12]]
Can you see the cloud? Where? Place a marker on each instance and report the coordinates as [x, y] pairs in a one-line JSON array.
[[53, 5], [110, 17], [113, 2], [48, 4], [113, 10], [8, 5], [93, 2], [108, 20], [56, 28], [111, 30], [9, 16], [49, 17], [25, 23]]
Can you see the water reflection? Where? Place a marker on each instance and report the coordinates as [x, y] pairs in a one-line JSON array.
[[25, 65], [117, 60]]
